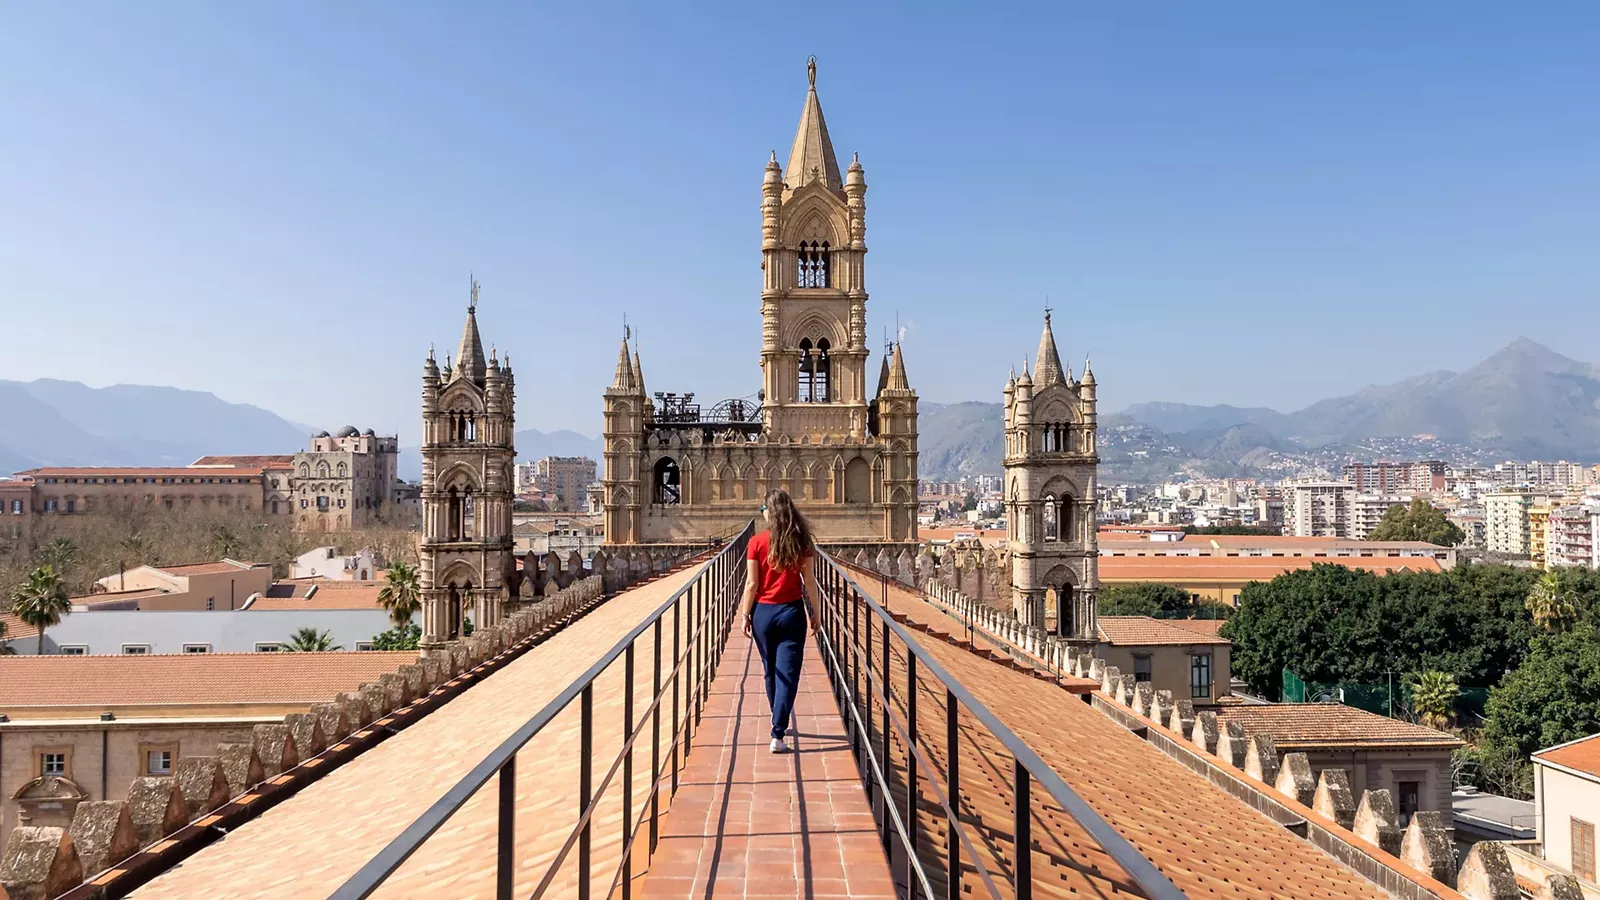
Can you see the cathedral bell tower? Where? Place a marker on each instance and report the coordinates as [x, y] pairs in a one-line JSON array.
[[468, 419], [1051, 464], [814, 296]]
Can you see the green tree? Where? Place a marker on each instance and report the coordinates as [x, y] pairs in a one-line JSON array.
[[402, 596], [60, 555], [5, 643], [310, 640], [1433, 698], [401, 637], [1252, 530], [1551, 698], [41, 600], [1553, 601], [1147, 598], [225, 543], [1421, 521]]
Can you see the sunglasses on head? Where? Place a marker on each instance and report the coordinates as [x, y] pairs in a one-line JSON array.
[[763, 507]]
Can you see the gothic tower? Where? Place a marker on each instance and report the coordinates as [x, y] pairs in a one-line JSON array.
[[626, 410], [1050, 480], [468, 418]]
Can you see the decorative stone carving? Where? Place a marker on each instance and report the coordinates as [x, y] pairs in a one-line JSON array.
[[1231, 744], [1144, 696], [275, 746], [1203, 734], [1560, 887], [309, 739], [331, 717], [241, 764]]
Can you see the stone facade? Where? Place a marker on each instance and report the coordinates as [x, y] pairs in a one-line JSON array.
[[1051, 463], [849, 459], [468, 421], [344, 480]]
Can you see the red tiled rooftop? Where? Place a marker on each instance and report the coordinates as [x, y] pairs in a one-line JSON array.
[[1144, 631], [187, 679], [245, 462], [207, 568], [1299, 726], [1204, 626], [1245, 568], [327, 595], [1582, 755], [139, 472]]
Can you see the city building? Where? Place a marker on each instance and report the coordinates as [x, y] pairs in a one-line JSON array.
[[1317, 508], [1506, 522], [1367, 510], [1050, 466], [262, 625], [1409, 761], [67, 490], [1192, 664], [17, 509], [329, 563], [675, 472], [277, 487], [1269, 510], [1539, 531], [1566, 799], [1574, 536], [345, 480], [468, 453], [568, 477], [1118, 541], [1390, 477], [77, 728], [221, 585], [1219, 579]]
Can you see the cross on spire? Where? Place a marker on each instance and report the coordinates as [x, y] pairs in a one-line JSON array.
[[473, 302]]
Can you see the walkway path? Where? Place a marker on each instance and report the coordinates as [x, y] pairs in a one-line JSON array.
[[749, 823]]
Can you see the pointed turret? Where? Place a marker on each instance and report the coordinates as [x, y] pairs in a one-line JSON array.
[[883, 371], [624, 377], [638, 373], [469, 359], [812, 158], [897, 370], [1088, 373], [1048, 364]]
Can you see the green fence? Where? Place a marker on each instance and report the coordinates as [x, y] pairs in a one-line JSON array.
[[1393, 699]]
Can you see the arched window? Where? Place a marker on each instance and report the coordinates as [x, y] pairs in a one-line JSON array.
[[452, 515], [807, 364], [342, 470], [857, 481], [1051, 525], [819, 373], [812, 269], [305, 470], [322, 470], [666, 483]]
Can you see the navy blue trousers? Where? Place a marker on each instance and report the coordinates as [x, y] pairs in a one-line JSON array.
[[780, 630]]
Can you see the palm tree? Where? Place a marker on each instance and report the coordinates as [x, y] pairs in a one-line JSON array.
[[5, 645], [402, 596], [41, 600], [310, 640], [225, 543], [1552, 601], [1433, 698], [60, 554], [135, 548]]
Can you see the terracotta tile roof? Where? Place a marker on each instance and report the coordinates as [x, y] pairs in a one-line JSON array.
[[187, 679], [1261, 541], [135, 472], [1299, 726], [1582, 755], [207, 568], [114, 597], [1204, 626], [1245, 568], [245, 462], [1202, 838], [328, 595], [1144, 631], [15, 629]]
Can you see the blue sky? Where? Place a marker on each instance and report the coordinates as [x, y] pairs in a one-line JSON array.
[[1255, 203]]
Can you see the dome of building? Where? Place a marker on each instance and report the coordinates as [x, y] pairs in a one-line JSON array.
[[369, 433], [348, 431], [323, 434]]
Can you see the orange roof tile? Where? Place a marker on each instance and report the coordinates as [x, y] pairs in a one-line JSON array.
[[246, 462], [15, 629], [1296, 726], [207, 568], [1582, 755], [1204, 626], [138, 472], [328, 595], [1245, 568], [188, 679], [1144, 631]]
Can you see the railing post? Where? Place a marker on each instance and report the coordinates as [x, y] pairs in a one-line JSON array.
[[1023, 828], [888, 698], [585, 786], [952, 787], [855, 668], [655, 738], [911, 766], [627, 771], [505, 863], [677, 620]]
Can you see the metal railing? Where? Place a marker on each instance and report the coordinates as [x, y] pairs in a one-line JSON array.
[[866, 691], [705, 604]]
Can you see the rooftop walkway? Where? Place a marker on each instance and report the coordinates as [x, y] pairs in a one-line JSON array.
[[312, 842], [749, 823]]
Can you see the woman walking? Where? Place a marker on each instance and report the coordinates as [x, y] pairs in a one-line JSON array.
[[778, 579]]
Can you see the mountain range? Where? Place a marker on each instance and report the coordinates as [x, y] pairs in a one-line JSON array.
[[1524, 401]]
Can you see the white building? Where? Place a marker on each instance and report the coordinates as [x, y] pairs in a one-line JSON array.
[[1573, 536], [1566, 797], [1317, 509], [1505, 522], [328, 562], [1367, 510]]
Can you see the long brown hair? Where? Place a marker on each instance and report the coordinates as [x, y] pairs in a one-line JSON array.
[[791, 533]]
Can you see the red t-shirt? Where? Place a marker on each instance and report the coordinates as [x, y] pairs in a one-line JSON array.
[[774, 585]]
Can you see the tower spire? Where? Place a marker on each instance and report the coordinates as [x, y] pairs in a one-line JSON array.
[[1047, 365], [469, 359], [812, 158], [623, 381]]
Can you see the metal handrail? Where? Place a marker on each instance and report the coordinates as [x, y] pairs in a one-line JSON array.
[[1028, 765], [722, 575]]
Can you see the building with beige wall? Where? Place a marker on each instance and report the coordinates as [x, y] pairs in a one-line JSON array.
[[1191, 663], [17, 509], [1410, 761], [1566, 799], [76, 728], [277, 490], [345, 480], [568, 477], [1219, 579], [225, 584], [1506, 526], [1317, 508], [848, 454], [62, 490]]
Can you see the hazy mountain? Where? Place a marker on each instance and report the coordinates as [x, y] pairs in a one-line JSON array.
[[1180, 417], [64, 423], [959, 438]]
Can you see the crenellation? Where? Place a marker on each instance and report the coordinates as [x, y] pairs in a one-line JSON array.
[[1261, 758], [103, 834], [1161, 708], [1181, 719], [1426, 845], [1144, 696], [1125, 690], [1375, 821], [157, 807], [1295, 780], [39, 863], [1486, 874], [1232, 746], [309, 738], [1560, 887], [1203, 733], [242, 766], [203, 782], [331, 716], [1333, 798], [275, 746]]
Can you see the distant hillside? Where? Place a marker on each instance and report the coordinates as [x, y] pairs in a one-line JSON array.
[[959, 439], [1526, 400], [532, 444], [64, 423]]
